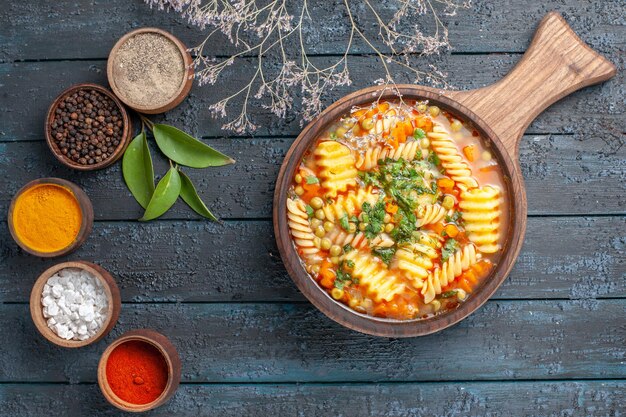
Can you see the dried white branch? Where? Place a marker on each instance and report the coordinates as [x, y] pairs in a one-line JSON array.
[[261, 28]]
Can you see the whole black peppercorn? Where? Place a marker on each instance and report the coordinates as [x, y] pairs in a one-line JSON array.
[[87, 127]]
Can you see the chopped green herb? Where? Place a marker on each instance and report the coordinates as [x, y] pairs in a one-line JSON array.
[[454, 218], [449, 294], [419, 133], [376, 216], [434, 159], [333, 136], [309, 210], [385, 254], [448, 250], [347, 248], [342, 279], [312, 179], [345, 224], [405, 226], [370, 178], [350, 263]]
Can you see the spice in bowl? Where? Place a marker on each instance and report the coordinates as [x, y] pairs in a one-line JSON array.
[[75, 304], [87, 126], [150, 70], [46, 217], [137, 372]]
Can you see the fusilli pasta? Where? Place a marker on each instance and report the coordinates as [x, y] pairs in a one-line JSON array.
[[481, 213], [349, 204], [428, 214], [301, 232], [451, 159], [452, 268], [407, 151], [337, 167], [379, 283], [416, 261]]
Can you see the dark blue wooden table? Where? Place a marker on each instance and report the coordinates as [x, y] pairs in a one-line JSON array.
[[552, 341]]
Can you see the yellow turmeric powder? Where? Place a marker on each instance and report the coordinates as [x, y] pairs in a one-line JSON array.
[[47, 217]]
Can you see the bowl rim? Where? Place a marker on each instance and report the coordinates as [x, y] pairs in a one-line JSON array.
[[117, 153], [110, 288], [386, 327], [183, 89], [86, 209], [167, 351]]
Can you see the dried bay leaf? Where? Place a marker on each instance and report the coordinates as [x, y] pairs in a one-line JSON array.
[[138, 170], [187, 150], [165, 195], [190, 196]]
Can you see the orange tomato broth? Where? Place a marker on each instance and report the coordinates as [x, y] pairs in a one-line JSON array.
[[485, 170]]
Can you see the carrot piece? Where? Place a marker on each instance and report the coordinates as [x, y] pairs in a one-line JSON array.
[[470, 152], [310, 191], [424, 123], [397, 136], [408, 128], [327, 275], [436, 227], [488, 168], [465, 285], [359, 113], [371, 112], [445, 182], [383, 107], [451, 230], [391, 208]]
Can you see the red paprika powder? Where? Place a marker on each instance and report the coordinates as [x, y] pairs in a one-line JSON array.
[[137, 372]]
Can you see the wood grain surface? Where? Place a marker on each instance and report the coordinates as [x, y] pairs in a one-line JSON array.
[[289, 342], [495, 399], [550, 343]]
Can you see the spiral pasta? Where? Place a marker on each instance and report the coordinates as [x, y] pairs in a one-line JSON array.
[[357, 240], [416, 260], [337, 166], [301, 231], [429, 214], [451, 159], [481, 213], [349, 204], [407, 151], [452, 268], [379, 283]]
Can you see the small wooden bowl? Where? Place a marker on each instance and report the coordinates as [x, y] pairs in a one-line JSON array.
[[184, 88], [170, 354], [119, 151], [85, 207], [110, 287]]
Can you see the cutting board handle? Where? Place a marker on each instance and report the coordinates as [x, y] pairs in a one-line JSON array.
[[556, 64]]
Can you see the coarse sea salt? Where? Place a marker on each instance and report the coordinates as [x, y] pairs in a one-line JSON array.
[[74, 303]]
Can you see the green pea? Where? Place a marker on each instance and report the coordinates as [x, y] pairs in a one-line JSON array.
[[335, 250], [317, 203]]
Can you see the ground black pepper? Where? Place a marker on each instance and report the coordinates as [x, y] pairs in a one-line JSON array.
[[87, 127]]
